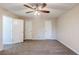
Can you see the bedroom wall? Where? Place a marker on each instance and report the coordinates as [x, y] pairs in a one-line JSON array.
[[41, 28], [1, 45], [68, 29]]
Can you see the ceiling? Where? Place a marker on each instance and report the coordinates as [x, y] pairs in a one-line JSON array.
[[56, 9]]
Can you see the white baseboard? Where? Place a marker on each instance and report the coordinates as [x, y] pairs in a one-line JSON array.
[[40, 39], [69, 47]]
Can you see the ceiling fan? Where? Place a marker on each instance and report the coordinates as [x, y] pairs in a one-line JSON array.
[[38, 7]]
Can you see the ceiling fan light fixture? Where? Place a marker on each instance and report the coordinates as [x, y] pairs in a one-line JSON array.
[[36, 13]]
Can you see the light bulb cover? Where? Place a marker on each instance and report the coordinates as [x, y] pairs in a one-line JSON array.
[[36, 13]]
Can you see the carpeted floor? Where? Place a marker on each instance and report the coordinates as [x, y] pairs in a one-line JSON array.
[[37, 47]]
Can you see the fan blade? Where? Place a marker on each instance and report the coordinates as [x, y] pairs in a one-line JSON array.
[[45, 11], [28, 6], [44, 5], [37, 5], [29, 11]]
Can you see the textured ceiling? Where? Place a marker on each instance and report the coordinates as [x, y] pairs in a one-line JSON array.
[[56, 9]]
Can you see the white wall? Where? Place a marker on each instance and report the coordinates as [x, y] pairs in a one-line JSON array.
[[40, 28], [28, 29], [50, 30], [68, 29], [1, 45]]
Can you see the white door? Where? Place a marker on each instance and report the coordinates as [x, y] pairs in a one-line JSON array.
[[17, 30], [28, 29], [38, 29], [48, 29]]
